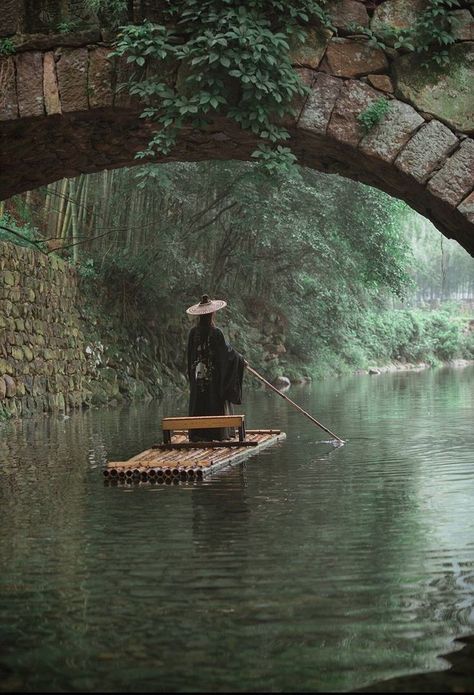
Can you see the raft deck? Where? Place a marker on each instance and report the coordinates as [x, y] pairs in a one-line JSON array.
[[180, 459]]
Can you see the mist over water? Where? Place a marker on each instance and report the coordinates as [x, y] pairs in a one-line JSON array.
[[306, 568]]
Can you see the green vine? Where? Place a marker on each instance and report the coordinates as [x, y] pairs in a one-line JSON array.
[[429, 37], [208, 58], [232, 59]]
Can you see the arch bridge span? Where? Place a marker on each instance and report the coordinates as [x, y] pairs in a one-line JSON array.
[[61, 115]]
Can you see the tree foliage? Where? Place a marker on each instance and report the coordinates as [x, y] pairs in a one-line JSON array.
[[315, 264]]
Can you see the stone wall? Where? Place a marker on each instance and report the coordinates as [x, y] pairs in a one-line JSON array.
[[43, 362], [59, 350]]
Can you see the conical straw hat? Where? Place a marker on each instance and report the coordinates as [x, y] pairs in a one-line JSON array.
[[206, 306]]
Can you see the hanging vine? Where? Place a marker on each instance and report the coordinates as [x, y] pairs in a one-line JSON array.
[[233, 59]]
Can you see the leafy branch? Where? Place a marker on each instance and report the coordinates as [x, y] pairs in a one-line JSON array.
[[231, 60], [429, 37]]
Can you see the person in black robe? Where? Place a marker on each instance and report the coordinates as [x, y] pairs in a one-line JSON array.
[[215, 370]]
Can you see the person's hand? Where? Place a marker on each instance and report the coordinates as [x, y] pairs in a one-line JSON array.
[[246, 364]]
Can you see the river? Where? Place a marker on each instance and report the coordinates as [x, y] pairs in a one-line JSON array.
[[307, 568]]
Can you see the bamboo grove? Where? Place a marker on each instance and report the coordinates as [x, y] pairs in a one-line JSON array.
[[321, 256]]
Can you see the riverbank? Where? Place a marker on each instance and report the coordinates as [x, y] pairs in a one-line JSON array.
[[413, 366], [69, 342]]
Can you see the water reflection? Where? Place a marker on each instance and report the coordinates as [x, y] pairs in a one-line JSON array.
[[307, 568]]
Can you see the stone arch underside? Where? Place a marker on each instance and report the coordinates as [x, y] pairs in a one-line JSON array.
[[61, 116]]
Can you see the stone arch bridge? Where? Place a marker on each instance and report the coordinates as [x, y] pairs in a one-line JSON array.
[[61, 113]]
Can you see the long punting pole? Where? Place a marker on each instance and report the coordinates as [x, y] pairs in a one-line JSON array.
[[267, 383]]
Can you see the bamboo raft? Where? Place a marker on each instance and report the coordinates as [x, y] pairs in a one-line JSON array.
[[179, 459]]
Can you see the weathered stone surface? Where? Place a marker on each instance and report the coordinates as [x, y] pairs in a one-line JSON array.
[[310, 53], [8, 97], [343, 13], [3, 389], [445, 92], [400, 14], [10, 386], [12, 17], [454, 181], [426, 150], [50, 85], [354, 98], [348, 58], [100, 78], [463, 29], [71, 67], [382, 82], [386, 139], [8, 278], [467, 207], [320, 103], [45, 42], [27, 353], [29, 70], [307, 77]]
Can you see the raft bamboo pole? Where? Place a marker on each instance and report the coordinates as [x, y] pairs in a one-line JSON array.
[[178, 466], [295, 405]]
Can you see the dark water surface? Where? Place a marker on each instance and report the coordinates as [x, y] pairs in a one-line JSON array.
[[305, 568]]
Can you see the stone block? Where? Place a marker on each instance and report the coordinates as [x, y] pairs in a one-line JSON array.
[[8, 95], [8, 278], [50, 41], [100, 78], [387, 138], [310, 53], [320, 103], [426, 150], [71, 69], [17, 353], [27, 352], [343, 13], [454, 181], [463, 29], [354, 98], [10, 386], [382, 82], [29, 71], [398, 14], [307, 78], [467, 207], [12, 17], [349, 58], [445, 92], [3, 388], [50, 85]]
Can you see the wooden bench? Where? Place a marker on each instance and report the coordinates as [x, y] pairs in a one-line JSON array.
[[205, 422]]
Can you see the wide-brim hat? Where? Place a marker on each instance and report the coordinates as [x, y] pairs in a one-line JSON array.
[[206, 306]]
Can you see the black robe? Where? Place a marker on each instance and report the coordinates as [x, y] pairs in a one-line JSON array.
[[215, 372]]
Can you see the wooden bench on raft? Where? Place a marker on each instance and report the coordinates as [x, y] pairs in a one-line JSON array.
[[170, 424]]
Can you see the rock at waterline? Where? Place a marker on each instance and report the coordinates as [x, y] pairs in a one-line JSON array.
[[282, 382]]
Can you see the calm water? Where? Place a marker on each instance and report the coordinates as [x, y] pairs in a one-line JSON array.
[[306, 568]]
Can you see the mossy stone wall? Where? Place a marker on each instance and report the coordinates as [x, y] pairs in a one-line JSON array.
[[43, 362]]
